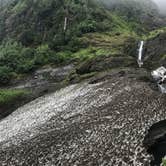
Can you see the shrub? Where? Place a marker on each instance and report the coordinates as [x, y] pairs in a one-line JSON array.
[[27, 37], [58, 41], [5, 75], [16, 57], [163, 162], [87, 26], [26, 66], [10, 54], [42, 54], [26, 63], [61, 57]]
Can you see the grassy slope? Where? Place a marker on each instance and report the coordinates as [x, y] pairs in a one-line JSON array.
[[93, 30], [9, 96]]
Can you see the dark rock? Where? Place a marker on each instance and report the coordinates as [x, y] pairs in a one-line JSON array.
[[155, 49], [155, 142]]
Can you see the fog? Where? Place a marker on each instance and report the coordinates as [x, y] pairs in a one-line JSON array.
[[162, 5]]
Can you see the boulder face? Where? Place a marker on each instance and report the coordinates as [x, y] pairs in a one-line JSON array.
[[99, 122], [155, 141]]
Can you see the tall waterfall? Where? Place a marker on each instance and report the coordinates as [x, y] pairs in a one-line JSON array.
[[140, 62]]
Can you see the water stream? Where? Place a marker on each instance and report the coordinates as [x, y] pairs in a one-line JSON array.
[[140, 53]]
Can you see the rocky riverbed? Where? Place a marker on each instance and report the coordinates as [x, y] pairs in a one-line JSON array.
[[101, 121]]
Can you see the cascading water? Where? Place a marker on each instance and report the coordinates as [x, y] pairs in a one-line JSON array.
[[159, 76], [162, 88], [140, 62]]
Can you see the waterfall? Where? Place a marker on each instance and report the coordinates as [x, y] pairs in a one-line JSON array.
[[140, 62]]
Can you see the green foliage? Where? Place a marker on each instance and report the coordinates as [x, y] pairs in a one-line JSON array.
[[45, 21], [37, 30], [15, 57], [8, 96], [91, 52], [42, 54], [163, 162], [61, 57], [5, 75], [18, 59], [26, 37], [154, 33], [87, 26], [10, 53]]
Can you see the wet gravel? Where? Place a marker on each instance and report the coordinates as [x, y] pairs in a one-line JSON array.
[[103, 124]]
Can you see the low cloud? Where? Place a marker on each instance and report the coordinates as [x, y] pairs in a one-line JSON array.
[[162, 5]]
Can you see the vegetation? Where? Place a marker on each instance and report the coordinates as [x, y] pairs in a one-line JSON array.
[[154, 33], [93, 29], [9, 96], [163, 162]]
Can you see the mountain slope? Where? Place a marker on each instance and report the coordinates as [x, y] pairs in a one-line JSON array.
[[145, 12], [36, 21], [34, 33]]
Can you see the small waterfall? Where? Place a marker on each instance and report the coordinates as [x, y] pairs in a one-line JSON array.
[[140, 62]]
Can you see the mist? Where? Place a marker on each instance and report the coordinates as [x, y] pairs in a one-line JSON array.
[[162, 5]]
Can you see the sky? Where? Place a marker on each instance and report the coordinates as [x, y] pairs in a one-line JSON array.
[[161, 4]]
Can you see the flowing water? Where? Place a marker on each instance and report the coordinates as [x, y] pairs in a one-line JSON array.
[[140, 53], [162, 88]]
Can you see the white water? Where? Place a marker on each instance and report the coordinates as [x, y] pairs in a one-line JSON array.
[[162, 88], [140, 62], [159, 76]]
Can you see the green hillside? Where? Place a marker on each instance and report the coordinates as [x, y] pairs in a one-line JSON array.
[[33, 32]]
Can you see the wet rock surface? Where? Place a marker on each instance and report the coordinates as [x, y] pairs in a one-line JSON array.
[[154, 52], [102, 122], [155, 142], [45, 77]]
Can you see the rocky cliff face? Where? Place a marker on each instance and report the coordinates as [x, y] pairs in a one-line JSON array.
[[155, 51]]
